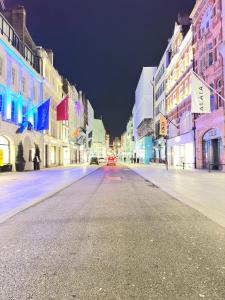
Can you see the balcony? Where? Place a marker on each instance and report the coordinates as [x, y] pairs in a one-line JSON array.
[[9, 33]]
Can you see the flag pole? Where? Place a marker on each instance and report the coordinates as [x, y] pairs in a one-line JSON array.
[[208, 85], [35, 107]]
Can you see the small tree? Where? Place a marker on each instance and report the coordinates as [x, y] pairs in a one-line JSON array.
[[19, 157]]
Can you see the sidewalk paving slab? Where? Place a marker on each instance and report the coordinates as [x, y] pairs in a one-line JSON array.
[[19, 191], [202, 190]]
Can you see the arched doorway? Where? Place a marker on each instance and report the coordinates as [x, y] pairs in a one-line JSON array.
[[4, 151], [211, 149]]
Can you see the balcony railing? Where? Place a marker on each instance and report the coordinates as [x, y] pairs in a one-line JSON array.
[[7, 30]]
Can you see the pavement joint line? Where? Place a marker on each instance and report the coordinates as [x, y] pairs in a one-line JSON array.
[[41, 199], [146, 180], [177, 197]]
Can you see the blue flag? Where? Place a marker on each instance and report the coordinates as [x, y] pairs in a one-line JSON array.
[[43, 116], [24, 125]]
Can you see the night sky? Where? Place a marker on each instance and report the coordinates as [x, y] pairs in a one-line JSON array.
[[101, 45]]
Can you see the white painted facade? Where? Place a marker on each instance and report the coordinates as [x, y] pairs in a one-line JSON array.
[[99, 139], [20, 94], [57, 136], [144, 95]]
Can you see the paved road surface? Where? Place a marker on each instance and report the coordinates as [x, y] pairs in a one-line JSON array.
[[112, 235]]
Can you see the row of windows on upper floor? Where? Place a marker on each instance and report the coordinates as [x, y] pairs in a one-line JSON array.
[[16, 81], [160, 108], [204, 26], [184, 63], [208, 56], [160, 90], [175, 47], [55, 82], [184, 91], [159, 74], [181, 93]]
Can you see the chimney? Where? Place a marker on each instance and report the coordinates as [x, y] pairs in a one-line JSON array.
[[50, 55], [17, 18], [184, 19]]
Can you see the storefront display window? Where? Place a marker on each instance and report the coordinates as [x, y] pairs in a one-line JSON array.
[[5, 150]]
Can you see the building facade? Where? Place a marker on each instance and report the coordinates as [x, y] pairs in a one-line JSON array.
[[98, 148], [143, 114], [20, 94], [209, 57], [159, 150], [181, 135], [56, 142]]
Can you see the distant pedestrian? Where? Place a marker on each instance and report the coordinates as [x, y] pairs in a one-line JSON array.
[[124, 159], [138, 160], [135, 160], [131, 159]]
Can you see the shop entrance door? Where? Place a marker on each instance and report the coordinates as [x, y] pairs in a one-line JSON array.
[[215, 154], [211, 154]]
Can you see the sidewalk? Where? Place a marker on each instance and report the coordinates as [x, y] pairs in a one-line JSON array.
[[199, 189], [19, 191]]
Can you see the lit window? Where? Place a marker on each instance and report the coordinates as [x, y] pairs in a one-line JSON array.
[[5, 147]]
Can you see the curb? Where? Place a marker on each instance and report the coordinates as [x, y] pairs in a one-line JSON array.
[[42, 198]]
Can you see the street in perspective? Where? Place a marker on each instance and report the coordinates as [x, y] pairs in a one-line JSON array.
[[112, 150]]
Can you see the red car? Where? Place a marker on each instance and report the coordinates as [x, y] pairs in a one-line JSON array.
[[111, 161]]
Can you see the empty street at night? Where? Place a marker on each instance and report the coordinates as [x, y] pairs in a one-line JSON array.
[[112, 150], [112, 235]]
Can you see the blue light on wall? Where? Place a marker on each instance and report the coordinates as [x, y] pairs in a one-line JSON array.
[[8, 104], [148, 141], [19, 107], [20, 60]]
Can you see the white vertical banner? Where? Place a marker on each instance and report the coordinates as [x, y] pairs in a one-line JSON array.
[[200, 96]]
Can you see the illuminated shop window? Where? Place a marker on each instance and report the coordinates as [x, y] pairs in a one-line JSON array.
[[5, 148]]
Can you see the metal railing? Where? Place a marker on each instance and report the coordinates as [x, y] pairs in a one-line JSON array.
[[216, 167], [8, 31], [184, 164]]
